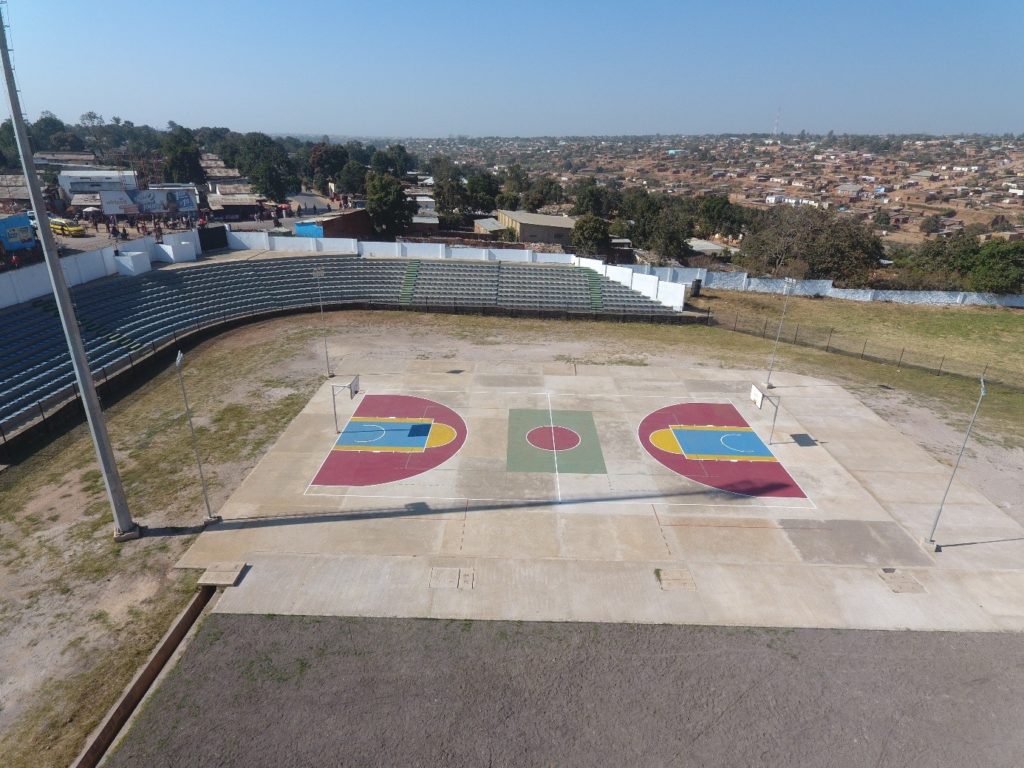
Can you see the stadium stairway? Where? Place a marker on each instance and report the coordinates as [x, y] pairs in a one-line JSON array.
[[596, 294], [409, 283]]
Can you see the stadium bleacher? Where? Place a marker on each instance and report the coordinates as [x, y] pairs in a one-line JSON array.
[[125, 318]]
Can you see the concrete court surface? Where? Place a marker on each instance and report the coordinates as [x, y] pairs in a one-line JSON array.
[[484, 535]]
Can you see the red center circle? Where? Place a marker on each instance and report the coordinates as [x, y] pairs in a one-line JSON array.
[[553, 438]]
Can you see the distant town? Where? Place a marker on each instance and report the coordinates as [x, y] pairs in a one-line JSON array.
[[916, 212]]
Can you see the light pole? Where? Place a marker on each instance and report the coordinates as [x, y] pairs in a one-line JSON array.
[[318, 273], [124, 527], [210, 517], [970, 426], [789, 282]]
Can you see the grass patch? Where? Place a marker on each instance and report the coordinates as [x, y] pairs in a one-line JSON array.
[[51, 732], [975, 335]]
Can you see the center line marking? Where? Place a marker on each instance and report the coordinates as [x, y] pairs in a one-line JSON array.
[[551, 425]]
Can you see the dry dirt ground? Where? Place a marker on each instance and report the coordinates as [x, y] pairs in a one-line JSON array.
[[68, 596], [293, 691]]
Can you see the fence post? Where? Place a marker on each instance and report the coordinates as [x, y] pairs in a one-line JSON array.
[[829, 342], [709, 317], [941, 363], [736, 321], [796, 332], [899, 363], [764, 331], [865, 349]]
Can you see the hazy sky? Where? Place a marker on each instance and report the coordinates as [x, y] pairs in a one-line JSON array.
[[379, 68]]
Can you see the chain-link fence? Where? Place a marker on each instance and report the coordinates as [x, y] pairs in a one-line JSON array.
[[836, 341]]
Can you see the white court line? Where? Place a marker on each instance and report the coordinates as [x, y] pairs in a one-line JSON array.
[[729, 447], [551, 424], [383, 432]]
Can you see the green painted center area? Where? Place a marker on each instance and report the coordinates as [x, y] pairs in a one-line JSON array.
[[585, 459]]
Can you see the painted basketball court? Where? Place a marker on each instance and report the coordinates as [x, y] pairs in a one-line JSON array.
[[603, 493]]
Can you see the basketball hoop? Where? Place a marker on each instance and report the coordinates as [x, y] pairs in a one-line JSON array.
[[353, 390]]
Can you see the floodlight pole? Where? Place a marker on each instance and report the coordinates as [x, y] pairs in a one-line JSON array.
[[318, 273], [210, 517], [124, 527], [789, 282], [967, 436]]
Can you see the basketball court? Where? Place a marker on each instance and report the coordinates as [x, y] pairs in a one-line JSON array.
[[608, 493]]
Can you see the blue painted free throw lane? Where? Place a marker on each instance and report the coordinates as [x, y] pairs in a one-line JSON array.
[[726, 443], [385, 434]]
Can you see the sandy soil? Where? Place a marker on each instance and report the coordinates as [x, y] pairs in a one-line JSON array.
[[290, 691]]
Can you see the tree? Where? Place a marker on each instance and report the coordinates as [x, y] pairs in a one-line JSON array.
[[482, 188], [43, 129], [181, 157], [506, 201], [390, 211], [326, 161], [352, 178], [882, 219], [516, 180], [999, 268], [805, 242], [65, 141], [591, 198], [8, 145], [590, 234], [449, 193], [267, 165], [670, 233], [930, 225]]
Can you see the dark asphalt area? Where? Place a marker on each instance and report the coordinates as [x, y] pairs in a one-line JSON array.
[[297, 691]]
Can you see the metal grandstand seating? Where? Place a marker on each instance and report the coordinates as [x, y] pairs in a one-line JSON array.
[[125, 318]]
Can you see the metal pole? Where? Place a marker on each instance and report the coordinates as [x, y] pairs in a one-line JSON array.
[[970, 426], [319, 273], [775, 415], [788, 283], [334, 405], [210, 518], [124, 527]]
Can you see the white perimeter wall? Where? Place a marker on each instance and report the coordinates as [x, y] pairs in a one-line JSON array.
[[666, 285], [27, 283]]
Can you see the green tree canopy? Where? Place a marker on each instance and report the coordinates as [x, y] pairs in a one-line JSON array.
[[998, 268], [43, 129], [352, 178], [181, 157], [670, 231], [806, 242], [267, 165], [590, 234], [324, 162], [482, 188], [389, 209]]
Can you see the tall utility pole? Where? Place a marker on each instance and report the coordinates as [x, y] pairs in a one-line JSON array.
[[124, 527], [788, 283], [967, 436]]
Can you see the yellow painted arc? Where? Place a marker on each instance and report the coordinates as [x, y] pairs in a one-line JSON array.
[[440, 434], [665, 440]]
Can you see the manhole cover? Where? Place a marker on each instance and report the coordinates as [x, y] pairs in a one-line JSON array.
[[901, 582], [675, 578]]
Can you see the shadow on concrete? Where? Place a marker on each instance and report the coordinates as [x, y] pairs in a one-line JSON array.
[[418, 509], [978, 543]]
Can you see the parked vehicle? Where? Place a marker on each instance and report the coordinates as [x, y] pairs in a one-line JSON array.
[[66, 227]]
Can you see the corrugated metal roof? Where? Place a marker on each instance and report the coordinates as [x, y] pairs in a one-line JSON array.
[[84, 200], [216, 202], [540, 219]]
